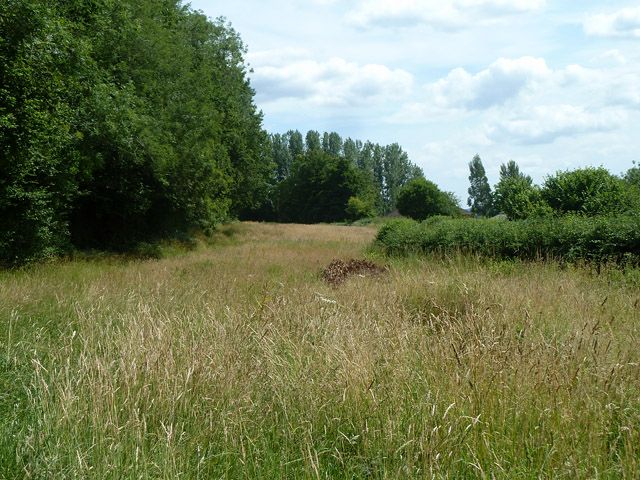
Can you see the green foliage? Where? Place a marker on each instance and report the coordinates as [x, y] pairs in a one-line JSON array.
[[587, 191], [598, 239], [511, 170], [384, 169], [122, 122], [632, 184], [358, 208], [515, 194], [281, 155], [518, 198], [633, 175], [398, 171], [332, 143], [319, 189], [42, 66], [312, 143], [421, 198], [480, 196]]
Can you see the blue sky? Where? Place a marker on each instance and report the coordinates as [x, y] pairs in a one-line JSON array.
[[551, 84]]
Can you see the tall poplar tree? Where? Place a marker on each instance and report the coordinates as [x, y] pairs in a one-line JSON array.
[[480, 196]]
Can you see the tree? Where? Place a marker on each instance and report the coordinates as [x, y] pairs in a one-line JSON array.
[[358, 208], [373, 159], [397, 170], [319, 189], [632, 181], [588, 191], [332, 143], [122, 122], [351, 150], [480, 196], [44, 70], [518, 198], [312, 140], [633, 175], [296, 144], [281, 155], [515, 195], [511, 170], [383, 169], [421, 198]]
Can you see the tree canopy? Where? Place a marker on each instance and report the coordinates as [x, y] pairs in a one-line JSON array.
[[319, 189], [584, 191], [480, 196], [421, 198], [121, 122], [515, 194], [382, 170], [588, 191]]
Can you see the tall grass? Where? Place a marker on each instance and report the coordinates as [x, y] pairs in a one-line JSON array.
[[239, 362]]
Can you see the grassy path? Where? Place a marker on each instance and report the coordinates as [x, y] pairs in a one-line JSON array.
[[237, 361]]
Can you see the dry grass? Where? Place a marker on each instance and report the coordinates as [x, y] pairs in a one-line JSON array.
[[238, 361]]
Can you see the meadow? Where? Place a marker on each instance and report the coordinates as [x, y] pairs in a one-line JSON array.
[[236, 360]]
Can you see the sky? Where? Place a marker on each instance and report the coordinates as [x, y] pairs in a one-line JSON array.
[[551, 84]]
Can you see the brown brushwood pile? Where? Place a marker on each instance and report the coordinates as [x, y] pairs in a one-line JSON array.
[[338, 271]]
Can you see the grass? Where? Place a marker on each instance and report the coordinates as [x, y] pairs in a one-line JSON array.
[[235, 360]]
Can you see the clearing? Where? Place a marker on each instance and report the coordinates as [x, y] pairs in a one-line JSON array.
[[237, 360]]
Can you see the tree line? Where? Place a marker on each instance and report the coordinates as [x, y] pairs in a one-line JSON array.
[[587, 191], [323, 178], [123, 122]]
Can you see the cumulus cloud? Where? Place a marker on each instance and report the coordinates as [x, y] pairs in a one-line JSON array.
[[623, 23], [441, 14], [502, 80], [333, 82], [624, 91], [503, 85], [546, 123], [612, 57]]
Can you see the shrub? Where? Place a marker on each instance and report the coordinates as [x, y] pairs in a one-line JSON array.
[[598, 239], [588, 191]]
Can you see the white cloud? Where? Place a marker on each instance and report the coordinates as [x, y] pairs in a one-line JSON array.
[[623, 23], [576, 75], [501, 81], [441, 14], [613, 57], [546, 123], [334, 82], [625, 91], [525, 82], [278, 57]]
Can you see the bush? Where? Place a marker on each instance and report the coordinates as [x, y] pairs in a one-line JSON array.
[[421, 198], [599, 239], [588, 191]]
